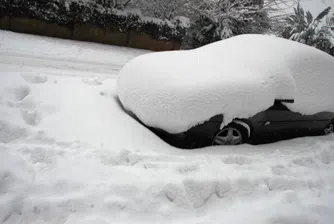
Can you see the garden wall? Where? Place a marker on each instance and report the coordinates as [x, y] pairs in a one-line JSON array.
[[87, 32]]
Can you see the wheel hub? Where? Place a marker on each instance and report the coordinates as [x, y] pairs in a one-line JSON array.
[[228, 136], [329, 129]]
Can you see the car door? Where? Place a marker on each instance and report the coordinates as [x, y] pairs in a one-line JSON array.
[[281, 123], [318, 122]]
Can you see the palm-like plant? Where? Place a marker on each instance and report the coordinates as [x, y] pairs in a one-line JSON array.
[[304, 28]]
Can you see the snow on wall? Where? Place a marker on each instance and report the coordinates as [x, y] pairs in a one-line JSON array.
[[237, 77]]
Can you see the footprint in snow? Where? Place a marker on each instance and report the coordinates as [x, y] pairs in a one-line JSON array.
[[35, 79], [199, 191], [112, 203], [188, 168], [43, 154], [26, 103], [327, 156], [305, 161], [238, 160], [31, 118], [290, 196], [279, 169], [284, 183], [222, 187], [10, 132], [176, 194], [91, 81], [19, 97], [19, 93], [122, 158]]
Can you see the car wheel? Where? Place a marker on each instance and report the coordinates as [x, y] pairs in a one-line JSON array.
[[328, 129], [232, 134]]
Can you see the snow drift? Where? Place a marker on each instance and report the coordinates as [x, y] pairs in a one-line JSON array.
[[237, 77]]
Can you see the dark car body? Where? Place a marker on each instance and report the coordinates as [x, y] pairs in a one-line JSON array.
[[274, 124]]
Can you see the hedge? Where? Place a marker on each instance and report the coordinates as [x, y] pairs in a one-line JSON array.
[[69, 13]]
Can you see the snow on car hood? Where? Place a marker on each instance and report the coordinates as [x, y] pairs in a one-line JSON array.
[[237, 77]]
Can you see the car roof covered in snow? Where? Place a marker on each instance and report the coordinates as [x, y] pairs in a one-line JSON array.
[[237, 77]]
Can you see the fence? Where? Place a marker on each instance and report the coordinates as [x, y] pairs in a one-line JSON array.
[[87, 32]]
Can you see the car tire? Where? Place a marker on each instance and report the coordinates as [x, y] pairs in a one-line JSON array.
[[329, 129], [232, 134]]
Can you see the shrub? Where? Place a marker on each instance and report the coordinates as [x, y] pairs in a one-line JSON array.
[[222, 19], [304, 28], [70, 12], [4, 8]]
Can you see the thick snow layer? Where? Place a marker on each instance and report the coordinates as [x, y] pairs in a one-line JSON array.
[[237, 77], [69, 154]]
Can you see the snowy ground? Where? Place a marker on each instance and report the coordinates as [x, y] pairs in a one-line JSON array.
[[69, 154]]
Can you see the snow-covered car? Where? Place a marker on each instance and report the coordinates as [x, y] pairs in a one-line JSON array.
[[249, 88], [274, 124]]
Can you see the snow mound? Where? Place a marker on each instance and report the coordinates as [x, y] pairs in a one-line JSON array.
[[237, 77]]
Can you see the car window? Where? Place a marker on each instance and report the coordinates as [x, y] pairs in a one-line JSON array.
[[278, 106]]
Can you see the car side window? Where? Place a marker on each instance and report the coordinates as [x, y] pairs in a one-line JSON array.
[[278, 106]]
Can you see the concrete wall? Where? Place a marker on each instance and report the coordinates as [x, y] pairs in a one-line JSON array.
[[144, 41], [87, 32], [33, 26], [4, 23]]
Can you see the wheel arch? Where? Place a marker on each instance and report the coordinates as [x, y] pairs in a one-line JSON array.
[[245, 124]]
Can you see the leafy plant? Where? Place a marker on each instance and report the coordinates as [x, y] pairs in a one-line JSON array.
[[304, 28], [222, 19]]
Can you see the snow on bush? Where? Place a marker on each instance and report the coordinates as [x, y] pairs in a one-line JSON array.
[[237, 77], [81, 12], [302, 27], [222, 19]]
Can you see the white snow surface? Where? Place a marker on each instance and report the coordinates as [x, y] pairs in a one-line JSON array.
[[70, 154], [237, 77]]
